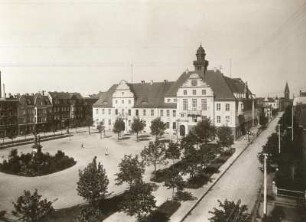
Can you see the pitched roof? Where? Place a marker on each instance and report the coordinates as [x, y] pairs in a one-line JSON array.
[[106, 99], [151, 95], [216, 80], [28, 99], [65, 95]]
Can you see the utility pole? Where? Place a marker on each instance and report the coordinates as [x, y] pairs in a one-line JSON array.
[[292, 120], [265, 185], [279, 140]]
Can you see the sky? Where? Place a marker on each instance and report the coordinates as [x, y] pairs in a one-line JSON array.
[[87, 45]]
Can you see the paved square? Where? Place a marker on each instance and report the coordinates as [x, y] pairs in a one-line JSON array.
[[62, 185]]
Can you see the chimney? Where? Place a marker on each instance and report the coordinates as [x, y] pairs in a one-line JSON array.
[[151, 82], [165, 81], [142, 81], [4, 90]]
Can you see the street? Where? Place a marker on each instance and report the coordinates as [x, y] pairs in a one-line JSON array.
[[242, 180]]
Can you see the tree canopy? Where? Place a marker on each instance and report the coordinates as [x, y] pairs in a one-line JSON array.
[[139, 200], [230, 211], [93, 182], [225, 136], [31, 208], [158, 127], [205, 131], [137, 126], [130, 170], [119, 126], [154, 153]]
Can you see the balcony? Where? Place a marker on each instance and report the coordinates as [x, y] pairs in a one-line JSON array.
[[194, 112]]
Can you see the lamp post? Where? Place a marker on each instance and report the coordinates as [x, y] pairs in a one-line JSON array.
[[265, 185], [279, 140], [292, 121]]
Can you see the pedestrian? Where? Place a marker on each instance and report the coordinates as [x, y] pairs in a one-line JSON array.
[[82, 146], [106, 151]]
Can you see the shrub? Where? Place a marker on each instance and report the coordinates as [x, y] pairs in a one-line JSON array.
[[35, 165], [197, 181], [164, 211], [184, 196]]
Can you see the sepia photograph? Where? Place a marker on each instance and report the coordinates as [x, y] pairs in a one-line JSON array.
[[153, 110]]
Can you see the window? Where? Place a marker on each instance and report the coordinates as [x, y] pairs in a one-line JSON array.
[[227, 119], [109, 111], [103, 111], [122, 101], [168, 112], [185, 104], [174, 100], [174, 125], [168, 100], [129, 101], [174, 113], [152, 112], [122, 93], [137, 112], [109, 122], [227, 107], [185, 92], [194, 104], [218, 106], [194, 92], [218, 119], [144, 112], [116, 111], [194, 119], [129, 112], [97, 111], [116, 101], [122, 111], [204, 104], [203, 91], [194, 82], [161, 112], [167, 125], [129, 123]]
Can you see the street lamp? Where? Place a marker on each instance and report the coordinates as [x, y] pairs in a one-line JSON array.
[[265, 185], [279, 140]]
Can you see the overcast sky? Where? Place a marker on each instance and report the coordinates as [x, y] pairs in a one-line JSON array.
[[87, 45]]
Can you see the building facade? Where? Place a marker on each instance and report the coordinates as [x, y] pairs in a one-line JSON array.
[[194, 96]]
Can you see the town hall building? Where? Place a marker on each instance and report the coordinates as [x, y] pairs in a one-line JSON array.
[[194, 96]]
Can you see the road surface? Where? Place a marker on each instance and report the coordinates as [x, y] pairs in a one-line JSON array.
[[242, 180]]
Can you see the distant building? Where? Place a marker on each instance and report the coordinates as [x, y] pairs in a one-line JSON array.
[[285, 101], [26, 114], [194, 96]]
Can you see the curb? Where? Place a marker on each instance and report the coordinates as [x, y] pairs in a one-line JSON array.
[[209, 189]]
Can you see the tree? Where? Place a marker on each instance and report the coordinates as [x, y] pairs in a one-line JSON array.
[[231, 212], [263, 120], [205, 131], [131, 170], [225, 136], [88, 122], [30, 208], [154, 153], [191, 161], [158, 127], [139, 200], [173, 152], [137, 126], [93, 182], [101, 128], [175, 182], [119, 126]]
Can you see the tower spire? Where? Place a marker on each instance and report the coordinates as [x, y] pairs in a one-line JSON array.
[[200, 64]]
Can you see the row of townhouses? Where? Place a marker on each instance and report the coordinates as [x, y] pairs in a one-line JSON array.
[[195, 95], [22, 114]]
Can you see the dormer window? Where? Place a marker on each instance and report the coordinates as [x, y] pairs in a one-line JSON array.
[[194, 82]]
